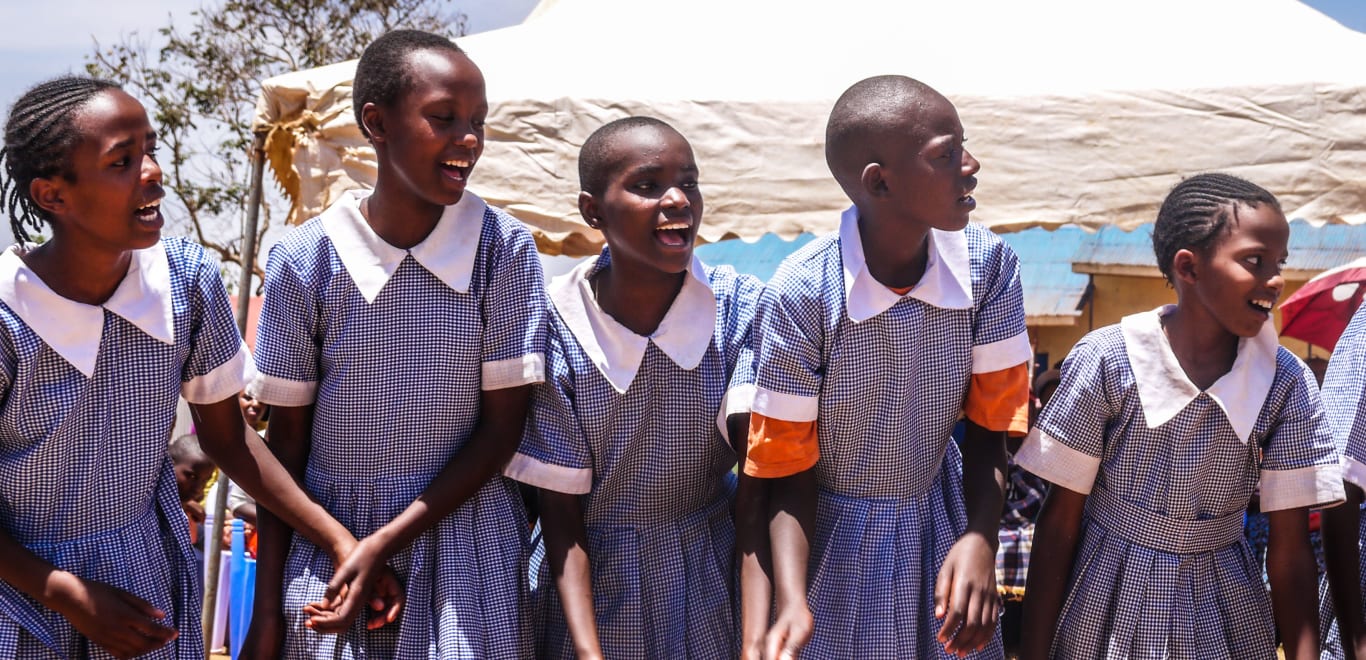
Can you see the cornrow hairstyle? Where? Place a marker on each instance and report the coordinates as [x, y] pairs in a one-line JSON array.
[[39, 135], [383, 74], [594, 167], [1198, 211]]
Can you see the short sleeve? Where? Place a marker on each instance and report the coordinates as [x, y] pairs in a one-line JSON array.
[[1300, 465], [1067, 444], [554, 453], [999, 337], [739, 343], [1344, 398], [514, 308], [287, 345], [788, 375], [218, 365]]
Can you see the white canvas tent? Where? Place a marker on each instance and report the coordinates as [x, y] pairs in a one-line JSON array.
[[1081, 112]]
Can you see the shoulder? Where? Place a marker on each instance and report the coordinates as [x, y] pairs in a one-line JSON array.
[[988, 253], [1291, 370], [804, 273], [500, 228], [728, 284], [1098, 347], [305, 239], [189, 263]]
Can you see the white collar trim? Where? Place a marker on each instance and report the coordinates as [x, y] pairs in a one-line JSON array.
[[947, 282], [74, 329], [683, 335], [1164, 390], [448, 252]]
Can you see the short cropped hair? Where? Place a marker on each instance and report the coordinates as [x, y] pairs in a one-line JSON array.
[[594, 167], [864, 113], [383, 73]]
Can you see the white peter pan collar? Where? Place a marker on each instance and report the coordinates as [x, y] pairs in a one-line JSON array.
[[448, 252], [74, 329], [1164, 390], [947, 282], [683, 335]]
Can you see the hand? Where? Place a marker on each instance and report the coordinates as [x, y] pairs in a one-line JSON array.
[[361, 574], [194, 511], [965, 596], [265, 638], [119, 622], [752, 649], [790, 632]]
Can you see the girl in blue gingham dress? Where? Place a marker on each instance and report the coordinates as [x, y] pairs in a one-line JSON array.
[[1164, 468], [402, 355], [635, 428], [1344, 401]]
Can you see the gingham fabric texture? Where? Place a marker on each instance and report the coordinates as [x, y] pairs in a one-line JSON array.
[[658, 514], [1344, 402], [890, 388], [397, 385], [85, 479], [1129, 597], [1024, 499]]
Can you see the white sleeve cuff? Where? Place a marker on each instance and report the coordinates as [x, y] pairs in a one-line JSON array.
[[224, 381], [561, 479], [1354, 471], [787, 407], [1050, 459], [1314, 486], [525, 370], [739, 400], [275, 391], [1003, 354]]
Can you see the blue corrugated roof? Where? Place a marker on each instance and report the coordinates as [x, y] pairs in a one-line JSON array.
[[760, 258], [1312, 248]]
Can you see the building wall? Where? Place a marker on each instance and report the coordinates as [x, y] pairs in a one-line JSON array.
[[1114, 297]]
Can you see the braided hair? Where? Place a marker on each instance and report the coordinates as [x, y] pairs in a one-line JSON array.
[[1198, 211], [38, 137]]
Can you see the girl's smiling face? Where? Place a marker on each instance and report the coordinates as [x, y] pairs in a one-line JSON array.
[[651, 206], [434, 132], [1239, 277], [110, 194]]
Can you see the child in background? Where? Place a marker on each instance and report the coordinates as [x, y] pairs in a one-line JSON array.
[[103, 327], [399, 338], [193, 469], [872, 343], [630, 439], [1341, 630], [1160, 430]]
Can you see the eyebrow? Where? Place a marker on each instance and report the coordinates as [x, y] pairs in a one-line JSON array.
[[128, 142], [653, 169]]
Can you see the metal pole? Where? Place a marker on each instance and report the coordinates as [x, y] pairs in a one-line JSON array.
[[212, 545]]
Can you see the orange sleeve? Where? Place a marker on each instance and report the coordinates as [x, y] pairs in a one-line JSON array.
[[999, 400], [779, 448]]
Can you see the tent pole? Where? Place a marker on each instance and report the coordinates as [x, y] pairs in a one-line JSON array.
[[212, 545]]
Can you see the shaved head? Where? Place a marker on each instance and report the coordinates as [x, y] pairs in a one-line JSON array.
[[868, 114], [597, 161]]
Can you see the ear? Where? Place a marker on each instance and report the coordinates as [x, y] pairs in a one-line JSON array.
[[588, 208], [871, 179], [1186, 266], [373, 121], [48, 194]]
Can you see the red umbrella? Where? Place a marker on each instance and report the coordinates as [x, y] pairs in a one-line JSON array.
[[1321, 309]]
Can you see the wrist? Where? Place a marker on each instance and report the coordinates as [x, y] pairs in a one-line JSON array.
[[991, 539], [59, 590]]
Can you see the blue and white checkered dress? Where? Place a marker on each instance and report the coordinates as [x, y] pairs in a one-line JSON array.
[[650, 454], [1344, 401], [890, 388], [1162, 569], [85, 479], [395, 383]]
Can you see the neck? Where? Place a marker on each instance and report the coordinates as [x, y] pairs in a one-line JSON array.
[[1205, 350], [401, 220], [637, 298], [896, 256], [83, 273]]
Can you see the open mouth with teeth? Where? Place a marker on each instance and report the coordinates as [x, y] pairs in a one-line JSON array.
[[1263, 305], [674, 234], [149, 212], [457, 169]]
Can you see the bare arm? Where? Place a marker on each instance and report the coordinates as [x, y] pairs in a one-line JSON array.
[[1294, 589], [1341, 529], [751, 547], [1050, 565], [792, 522], [566, 548]]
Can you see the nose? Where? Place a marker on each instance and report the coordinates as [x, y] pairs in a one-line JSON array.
[[151, 170], [674, 197], [1277, 280], [970, 164]]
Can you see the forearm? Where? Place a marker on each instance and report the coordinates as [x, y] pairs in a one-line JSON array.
[[984, 481], [31, 574], [273, 537], [792, 519], [1341, 529], [756, 563], [566, 544], [1055, 544], [1290, 567]]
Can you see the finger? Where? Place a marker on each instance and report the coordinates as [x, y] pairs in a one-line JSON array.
[[141, 606], [942, 591], [970, 636], [775, 642]]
